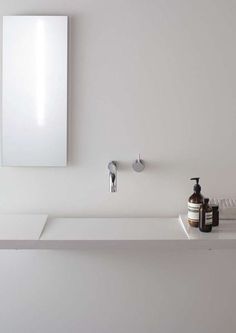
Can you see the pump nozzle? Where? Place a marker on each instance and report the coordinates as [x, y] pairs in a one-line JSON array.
[[196, 178], [197, 187]]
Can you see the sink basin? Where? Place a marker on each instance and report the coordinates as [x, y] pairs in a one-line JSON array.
[[34, 231], [113, 229]]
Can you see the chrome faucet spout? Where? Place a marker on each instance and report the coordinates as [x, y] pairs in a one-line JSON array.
[[112, 167]]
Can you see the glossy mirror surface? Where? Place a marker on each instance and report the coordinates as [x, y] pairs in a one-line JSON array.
[[34, 97]]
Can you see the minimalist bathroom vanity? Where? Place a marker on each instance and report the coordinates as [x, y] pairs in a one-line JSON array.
[[155, 77], [127, 273], [43, 232]]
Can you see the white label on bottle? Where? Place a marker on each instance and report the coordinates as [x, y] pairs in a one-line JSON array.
[[208, 218], [193, 211]]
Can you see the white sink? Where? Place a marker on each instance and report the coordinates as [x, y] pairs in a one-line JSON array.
[[39, 232], [21, 226], [113, 229]]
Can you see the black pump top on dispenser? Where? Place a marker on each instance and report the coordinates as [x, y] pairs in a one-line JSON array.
[[197, 187]]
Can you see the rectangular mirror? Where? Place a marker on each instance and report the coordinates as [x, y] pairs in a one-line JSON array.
[[34, 96]]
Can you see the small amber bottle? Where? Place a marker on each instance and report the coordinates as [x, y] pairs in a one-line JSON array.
[[215, 215], [205, 217]]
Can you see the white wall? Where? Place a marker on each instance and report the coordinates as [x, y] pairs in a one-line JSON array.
[[118, 291], [156, 77]]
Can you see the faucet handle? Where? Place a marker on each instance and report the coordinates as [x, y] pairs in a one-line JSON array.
[[138, 164]]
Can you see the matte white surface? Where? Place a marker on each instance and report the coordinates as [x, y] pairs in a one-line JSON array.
[[21, 227], [141, 73], [90, 233], [225, 230], [118, 291], [34, 99], [113, 229]]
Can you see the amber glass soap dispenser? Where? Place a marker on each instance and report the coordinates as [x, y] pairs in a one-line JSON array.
[[205, 217], [194, 204]]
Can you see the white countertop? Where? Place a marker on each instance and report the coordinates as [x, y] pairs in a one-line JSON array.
[[40, 232], [225, 231]]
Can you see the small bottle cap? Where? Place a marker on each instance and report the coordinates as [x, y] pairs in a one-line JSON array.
[[206, 200]]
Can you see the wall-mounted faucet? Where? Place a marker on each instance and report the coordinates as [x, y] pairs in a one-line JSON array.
[[112, 167]]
